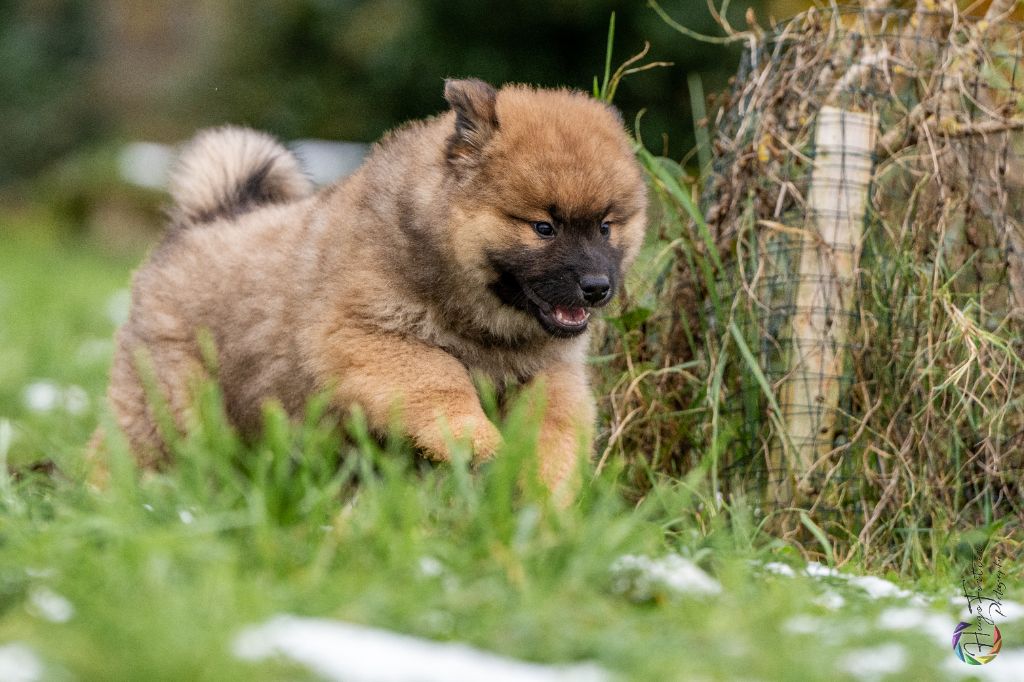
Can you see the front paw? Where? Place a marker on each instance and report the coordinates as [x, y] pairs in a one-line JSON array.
[[482, 436]]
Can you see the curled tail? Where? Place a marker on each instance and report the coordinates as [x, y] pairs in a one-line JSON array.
[[224, 172]]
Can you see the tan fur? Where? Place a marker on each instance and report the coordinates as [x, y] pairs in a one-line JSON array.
[[217, 161], [378, 289]]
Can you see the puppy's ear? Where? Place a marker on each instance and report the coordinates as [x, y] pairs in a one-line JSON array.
[[473, 102]]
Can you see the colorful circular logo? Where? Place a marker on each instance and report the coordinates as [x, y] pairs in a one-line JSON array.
[[976, 646]]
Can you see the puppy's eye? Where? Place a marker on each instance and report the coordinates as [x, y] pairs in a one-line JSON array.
[[606, 228], [545, 230]]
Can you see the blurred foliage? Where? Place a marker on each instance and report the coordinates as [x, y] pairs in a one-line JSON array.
[[351, 70], [46, 49], [77, 71]]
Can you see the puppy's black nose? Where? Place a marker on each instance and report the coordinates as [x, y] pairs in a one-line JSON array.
[[595, 288]]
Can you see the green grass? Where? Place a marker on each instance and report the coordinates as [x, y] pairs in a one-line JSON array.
[[164, 570]]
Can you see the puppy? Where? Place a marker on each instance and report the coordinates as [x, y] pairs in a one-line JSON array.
[[476, 242]]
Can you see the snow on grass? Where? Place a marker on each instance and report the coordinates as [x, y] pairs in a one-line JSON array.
[[831, 600], [41, 396], [878, 588], [118, 306], [1008, 666], [47, 396], [779, 568], [642, 577], [18, 663], [831, 631], [430, 567], [936, 625], [873, 587], [874, 663], [76, 400], [1008, 610], [340, 651], [816, 570], [802, 624], [881, 661], [48, 605], [94, 352]]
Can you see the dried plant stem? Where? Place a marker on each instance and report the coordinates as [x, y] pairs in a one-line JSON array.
[[999, 9], [871, 18]]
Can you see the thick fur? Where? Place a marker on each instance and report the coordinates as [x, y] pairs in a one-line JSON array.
[[224, 172], [392, 288]]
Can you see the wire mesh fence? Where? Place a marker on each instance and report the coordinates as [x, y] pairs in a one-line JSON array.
[[866, 200]]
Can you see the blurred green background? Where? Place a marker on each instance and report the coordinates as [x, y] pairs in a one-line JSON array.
[[83, 76]]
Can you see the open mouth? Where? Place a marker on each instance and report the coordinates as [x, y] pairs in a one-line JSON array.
[[566, 320], [558, 320]]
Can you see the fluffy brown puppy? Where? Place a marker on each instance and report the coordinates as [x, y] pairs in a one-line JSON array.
[[477, 241]]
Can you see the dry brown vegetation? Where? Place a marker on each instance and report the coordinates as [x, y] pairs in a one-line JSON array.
[[912, 435]]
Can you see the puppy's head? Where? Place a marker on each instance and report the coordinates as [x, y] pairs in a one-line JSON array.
[[548, 200]]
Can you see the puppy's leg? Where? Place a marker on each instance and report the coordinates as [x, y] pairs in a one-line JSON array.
[[567, 427], [431, 390], [174, 370]]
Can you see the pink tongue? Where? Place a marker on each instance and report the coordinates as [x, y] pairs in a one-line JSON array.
[[570, 315]]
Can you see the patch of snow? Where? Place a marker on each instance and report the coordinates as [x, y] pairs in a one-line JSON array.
[[816, 570], [41, 396], [48, 605], [430, 567], [146, 164], [873, 586], [874, 663], [94, 352], [1008, 666], [831, 631], [878, 588], [46, 396], [76, 400], [18, 663], [118, 306], [641, 577], [325, 161], [831, 600], [779, 568], [40, 573], [938, 626], [802, 624], [340, 651], [1010, 610]]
